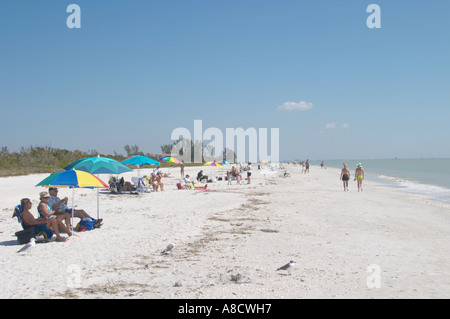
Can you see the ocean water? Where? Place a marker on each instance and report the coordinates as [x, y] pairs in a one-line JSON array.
[[429, 177]]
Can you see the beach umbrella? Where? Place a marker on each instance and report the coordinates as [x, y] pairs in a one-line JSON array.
[[73, 179], [224, 163], [170, 159], [99, 165], [140, 160], [213, 164]]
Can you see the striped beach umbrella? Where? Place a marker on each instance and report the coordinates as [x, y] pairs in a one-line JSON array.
[[213, 164], [170, 159], [73, 179]]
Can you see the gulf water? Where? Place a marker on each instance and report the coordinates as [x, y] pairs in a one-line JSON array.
[[429, 177]]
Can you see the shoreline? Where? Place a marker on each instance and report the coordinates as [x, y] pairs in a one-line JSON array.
[[230, 241]]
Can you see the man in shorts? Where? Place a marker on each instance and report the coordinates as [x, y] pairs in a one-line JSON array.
[[60, 206]]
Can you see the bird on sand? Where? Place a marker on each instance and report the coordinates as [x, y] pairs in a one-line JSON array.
[[288, 267], [27, 248], [168, 248]]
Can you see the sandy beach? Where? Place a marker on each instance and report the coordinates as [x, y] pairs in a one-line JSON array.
[[230, 240]]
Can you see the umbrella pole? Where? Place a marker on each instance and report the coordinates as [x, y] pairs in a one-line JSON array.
[[73, 206], [98, 204]]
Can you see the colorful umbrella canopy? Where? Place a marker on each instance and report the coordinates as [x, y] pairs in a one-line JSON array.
[[170, 160], [140, 160], [73, 179], [224, 163], [213, 164], [99, 165]]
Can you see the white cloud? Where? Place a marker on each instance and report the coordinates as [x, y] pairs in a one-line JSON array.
[[330, 126], [345, 125], [295, 106]]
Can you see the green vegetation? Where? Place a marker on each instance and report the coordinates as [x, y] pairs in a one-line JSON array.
[[36, 159]]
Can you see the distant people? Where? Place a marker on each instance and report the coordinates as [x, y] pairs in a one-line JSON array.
[[156, 182], [303, 167], [182, 169], [345, 177], [228, 178], [200, 176], [322, 165], [359, 176], [307, 167], [249, 172]]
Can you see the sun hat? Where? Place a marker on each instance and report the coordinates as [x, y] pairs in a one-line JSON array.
[[359, 165]]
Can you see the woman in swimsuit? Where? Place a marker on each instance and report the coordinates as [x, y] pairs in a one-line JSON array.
[[46, 212], [359, 173], [345, 177]]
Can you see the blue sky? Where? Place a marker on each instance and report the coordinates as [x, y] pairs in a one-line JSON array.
[[138, 69]]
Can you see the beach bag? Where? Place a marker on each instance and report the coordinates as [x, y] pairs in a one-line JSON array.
[[85, 224], [25, 235]]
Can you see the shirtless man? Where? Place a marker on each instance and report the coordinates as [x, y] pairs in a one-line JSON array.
[[345, 177], [359, 176]]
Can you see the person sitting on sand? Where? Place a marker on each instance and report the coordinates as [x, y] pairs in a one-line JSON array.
[[41, 223], [191, 183], [345, 177], [235, 173], [60, 206], [200, 176], [359, 173], [154, 182]]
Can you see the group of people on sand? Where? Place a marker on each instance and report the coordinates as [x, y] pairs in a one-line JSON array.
[[54, 214], [234, 173], [305, 167], [359, 176]]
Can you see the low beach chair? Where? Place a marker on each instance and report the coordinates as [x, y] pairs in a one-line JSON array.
[[141, 185]]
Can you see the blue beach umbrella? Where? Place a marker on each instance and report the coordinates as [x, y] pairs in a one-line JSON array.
[[140, 160], [73, 179], [99, 165]]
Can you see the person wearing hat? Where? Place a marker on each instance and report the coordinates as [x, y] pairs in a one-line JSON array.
[[60, 207], [359, 175], [46, 212]]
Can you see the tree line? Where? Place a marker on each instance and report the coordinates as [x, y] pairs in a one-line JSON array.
[[47, 159]]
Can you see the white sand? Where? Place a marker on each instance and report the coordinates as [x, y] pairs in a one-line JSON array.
[[246, 231]]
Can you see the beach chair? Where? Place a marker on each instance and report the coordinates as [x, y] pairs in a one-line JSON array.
[[141, 185], [29, 232]]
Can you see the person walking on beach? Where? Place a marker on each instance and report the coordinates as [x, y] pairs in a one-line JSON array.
[[182, 169], [345, 177], [359, 175], [249, 172], [307, 167]]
